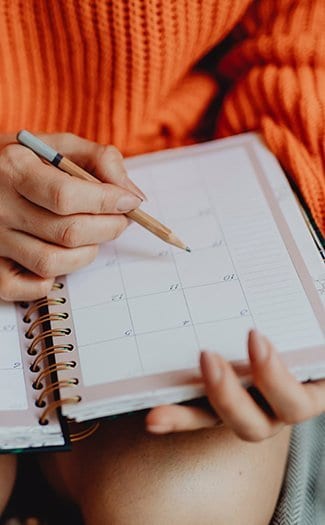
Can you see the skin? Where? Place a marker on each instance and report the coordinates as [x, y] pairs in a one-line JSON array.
[[123, 475], [51, 224], [290, 402], [7, 479]]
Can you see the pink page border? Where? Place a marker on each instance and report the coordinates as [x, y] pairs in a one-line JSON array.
[[300, 358]]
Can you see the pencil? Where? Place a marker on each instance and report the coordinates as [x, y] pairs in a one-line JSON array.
[[56, 159]]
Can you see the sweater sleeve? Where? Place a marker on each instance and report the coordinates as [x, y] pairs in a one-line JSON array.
[[275, 77]]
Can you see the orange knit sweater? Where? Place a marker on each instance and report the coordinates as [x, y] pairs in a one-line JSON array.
[[130, 73]]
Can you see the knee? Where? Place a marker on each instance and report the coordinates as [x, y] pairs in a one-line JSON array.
[[200, 480], [124, 476], [7, 479], [139, 501]]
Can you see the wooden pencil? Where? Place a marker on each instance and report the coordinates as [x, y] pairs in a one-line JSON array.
[[56, 159]]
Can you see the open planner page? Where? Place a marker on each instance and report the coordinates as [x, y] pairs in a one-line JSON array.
[[143, 309], [13, 394], [19, 418]]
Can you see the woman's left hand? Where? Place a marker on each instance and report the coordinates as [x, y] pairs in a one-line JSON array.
[[290, 401]]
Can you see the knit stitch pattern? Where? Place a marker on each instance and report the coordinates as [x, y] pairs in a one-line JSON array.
[[302, 500], [124, 72]]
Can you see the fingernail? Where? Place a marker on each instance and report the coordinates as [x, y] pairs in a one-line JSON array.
[[136, 190], [211, 366], [259, 349], [128, 203], [159, 429]]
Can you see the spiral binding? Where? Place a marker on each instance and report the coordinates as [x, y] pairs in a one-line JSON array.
[[37, 385], [42, 354], [40, 401], [32, 349], [44, 319], [37, 305], [90, 429], [51, 350]]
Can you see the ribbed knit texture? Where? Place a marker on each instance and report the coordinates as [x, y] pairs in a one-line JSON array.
[[302, 497], [276, 77], [121, 72]]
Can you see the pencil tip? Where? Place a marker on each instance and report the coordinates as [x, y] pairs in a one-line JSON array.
[[188, 249]]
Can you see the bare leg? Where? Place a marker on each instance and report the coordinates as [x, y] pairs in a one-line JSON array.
[[7, 479], [123, 475]]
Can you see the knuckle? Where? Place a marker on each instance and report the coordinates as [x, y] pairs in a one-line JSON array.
[[61, 199], [11, 156], [114, 157], [67, 135], [9, 152], [45, 264], [107, 200], [113, 153], [63, 138], [18, 164], [71, 234]]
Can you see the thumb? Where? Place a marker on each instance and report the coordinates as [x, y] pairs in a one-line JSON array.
[[104, 162], [179, 418]]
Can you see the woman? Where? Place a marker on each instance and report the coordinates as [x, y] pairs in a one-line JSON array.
[[143, 76]]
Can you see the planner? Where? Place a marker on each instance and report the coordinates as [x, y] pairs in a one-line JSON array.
[[125, 333]]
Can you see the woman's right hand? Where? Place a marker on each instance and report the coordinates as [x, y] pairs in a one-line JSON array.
[[50, 223]]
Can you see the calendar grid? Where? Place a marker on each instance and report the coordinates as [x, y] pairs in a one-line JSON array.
[[153, 307], [156, 331], [133, 335], [164, 218], [212, 283], [215, 214]]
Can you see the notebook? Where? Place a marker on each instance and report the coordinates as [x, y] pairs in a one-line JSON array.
[[125, 333]]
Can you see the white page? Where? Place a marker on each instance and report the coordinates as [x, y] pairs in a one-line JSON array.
[[153, 307], [19, 417], [12, 383]]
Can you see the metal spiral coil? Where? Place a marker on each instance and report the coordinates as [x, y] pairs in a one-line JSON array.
[[42, 354]]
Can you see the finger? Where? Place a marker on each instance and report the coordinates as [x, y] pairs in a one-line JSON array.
[[231, 401], [70, 231], [105, 162], [19, 285], [45, 260], [178, 418], [56, 191], [109, 167], [316, 392], [291, 401], [60, 193]]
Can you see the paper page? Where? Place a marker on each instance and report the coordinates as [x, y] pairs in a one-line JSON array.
[[12, 383], [144, 307], [19, 417]]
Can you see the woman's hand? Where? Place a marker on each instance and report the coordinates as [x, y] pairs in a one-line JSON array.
[[290, 401], [51, 223]]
